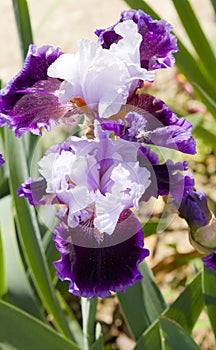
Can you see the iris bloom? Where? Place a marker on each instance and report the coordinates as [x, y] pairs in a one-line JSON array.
[[194, 209], [98, 80], [53, 86], [96, 184]]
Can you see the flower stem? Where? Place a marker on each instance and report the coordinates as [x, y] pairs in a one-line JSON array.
[[89, 307]]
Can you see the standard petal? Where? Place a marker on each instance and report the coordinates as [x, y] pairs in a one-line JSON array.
[[157, 45]]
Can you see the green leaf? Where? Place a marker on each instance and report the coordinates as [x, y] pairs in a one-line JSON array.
[[145, 296], [175, 337], [19, 291], [4, 187], [3, 286], [98, 345], [188, 306], [142, 5], [23, 25], [209, 292], [195, 33], [185, 310], [29, 233], [214, 5], [206, 135], [73, 323], [24, 332], [209, 101], [151, 339]]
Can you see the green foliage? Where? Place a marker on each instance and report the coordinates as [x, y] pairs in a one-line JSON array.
[[209, 280], [142, 303], [21, 331], [23, 25]]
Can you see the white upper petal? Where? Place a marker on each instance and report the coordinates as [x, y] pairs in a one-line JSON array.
[[103, 78]]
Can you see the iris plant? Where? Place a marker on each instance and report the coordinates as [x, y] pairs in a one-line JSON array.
[[96, 182]]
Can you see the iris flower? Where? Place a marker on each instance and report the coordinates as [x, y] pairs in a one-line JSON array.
[[96, 183], [98, 80]]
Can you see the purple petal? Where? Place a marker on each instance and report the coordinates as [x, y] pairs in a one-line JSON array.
[[210, 260], [168, 179], [39, 107], [157, 46], [151, 156], [99, 270], [164, 128], [28, 101], [2, 161], [35, 192], [194, 210], [153, 123]]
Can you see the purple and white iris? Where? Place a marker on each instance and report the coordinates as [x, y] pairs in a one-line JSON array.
[[97, 183]]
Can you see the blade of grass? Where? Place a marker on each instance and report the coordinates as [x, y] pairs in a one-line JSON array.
[[196, 35], [98, 345], [214, 5], [22, 331], [175, 337], [29, 232], [19, 290], [25, 35], [208, 283], [144, 295], [3, 285], [88, 307], [23, 25], [185, 311]]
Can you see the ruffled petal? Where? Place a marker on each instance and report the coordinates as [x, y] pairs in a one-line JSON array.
[[35, 192], [29, 100], [154, 123], [108, 267], [39, 107], [157, 46]]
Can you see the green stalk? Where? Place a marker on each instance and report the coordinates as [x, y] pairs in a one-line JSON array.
[[89, 307], [3, 287], [23, 25]]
